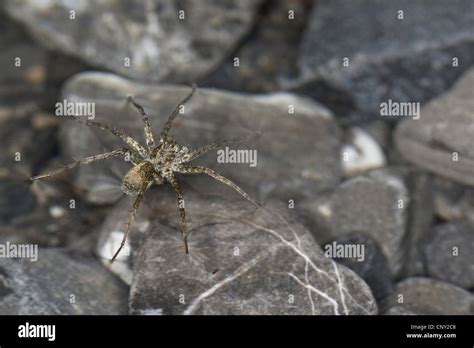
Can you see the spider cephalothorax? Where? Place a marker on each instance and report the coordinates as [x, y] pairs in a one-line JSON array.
[[155, 164]]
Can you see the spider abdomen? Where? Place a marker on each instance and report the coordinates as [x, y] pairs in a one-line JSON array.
[[136, 177]]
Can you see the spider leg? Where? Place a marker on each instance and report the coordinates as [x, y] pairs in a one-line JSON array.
[[150, 142], [169, 123], [182, 213], [187, 169], [88, 160], [126, 138], [212, 146], [133, 214]]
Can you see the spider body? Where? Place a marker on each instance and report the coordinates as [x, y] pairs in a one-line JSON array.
[[133, 181], [154, 164]]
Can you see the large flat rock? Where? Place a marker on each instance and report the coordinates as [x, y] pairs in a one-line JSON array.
[[442, 140], [59, 282], [159, 43], [297, 154], [242, 260], [407, 59]]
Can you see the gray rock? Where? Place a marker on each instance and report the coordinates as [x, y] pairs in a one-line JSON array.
[[361, 153], [23, 76], [408, 60], [59, 283], [15, 200], [398, 310], [427, 296], [443, 132], [242, 260], [375, 204], [21, 130], [30, 75], [453, 201], [268, 56], [111, 235], [297, 154], [372, 266], [159, 44], [420, 220], [449, 254]]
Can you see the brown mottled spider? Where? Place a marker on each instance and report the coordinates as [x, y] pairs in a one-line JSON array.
[[154, 164]]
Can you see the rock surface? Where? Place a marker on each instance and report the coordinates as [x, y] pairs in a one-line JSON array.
[[158, 44], [31, 75], [453, 201], [420, 221], [59, 283], [372, 266], [18, 192], [297, 154], [449, 254], [406, 60], [242, 260], [441, 140], [268, 57], [369, 205], [111, 235], [427, 296]]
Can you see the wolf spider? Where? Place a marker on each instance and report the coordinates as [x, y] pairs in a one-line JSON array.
[[154, 164]]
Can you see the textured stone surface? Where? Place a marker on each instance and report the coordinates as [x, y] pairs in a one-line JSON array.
[[30, 74], [449, 254], [267, 57], [18, 192], [111, 235], [453, 201], [398, 310], [45, 287], [369, 205], [157, 42], [241, 261], [445, 127], [361, 153], [420, 220], [404, 60], [373, 268], [430, 297], [297, 154], [20, 132]]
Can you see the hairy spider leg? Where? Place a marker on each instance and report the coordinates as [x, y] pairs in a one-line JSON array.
[[135, 145], [188, 169], [88, 160], [150, 141], [133, 214], [166, 129], [206, 148], [182, 213]]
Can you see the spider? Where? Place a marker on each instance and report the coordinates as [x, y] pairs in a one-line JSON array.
[[155, 164]]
